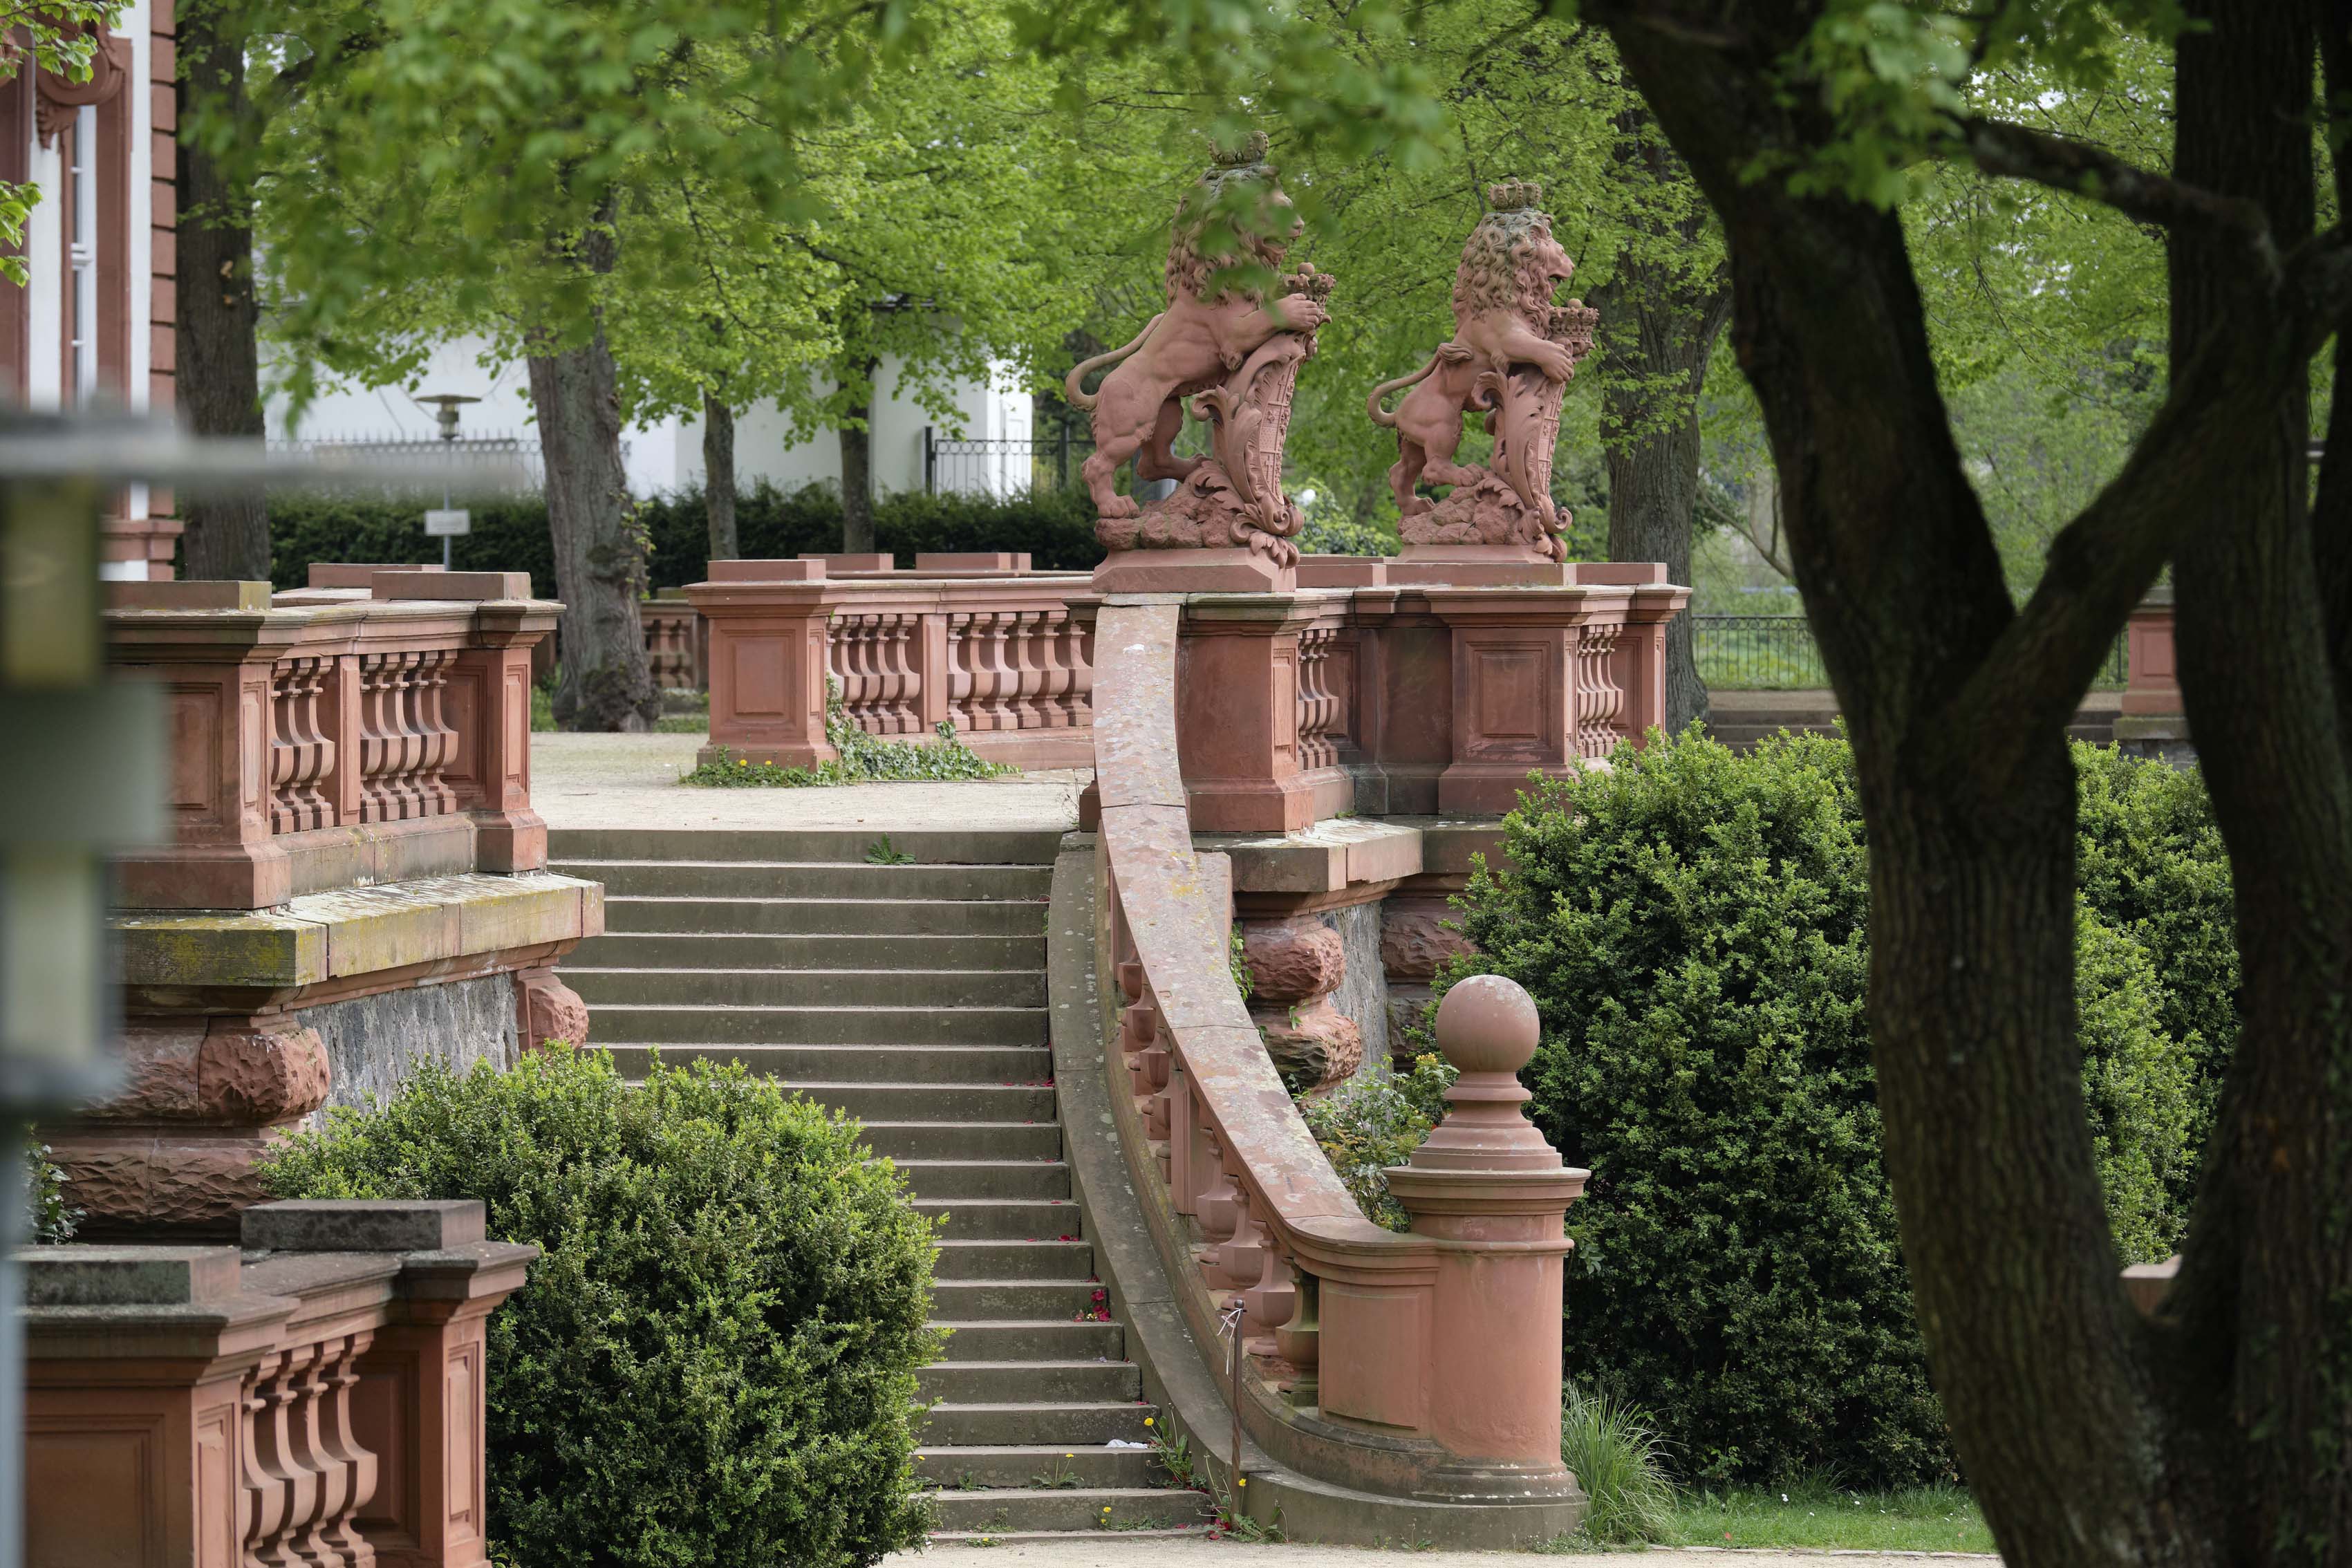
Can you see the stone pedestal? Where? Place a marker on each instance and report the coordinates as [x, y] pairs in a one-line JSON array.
[[1479, 566], [767, 623], [1487, 1177], [1231, 570], [1238, 717]]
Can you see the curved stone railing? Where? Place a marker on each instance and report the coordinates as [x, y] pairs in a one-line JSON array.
[[1425, 1365]]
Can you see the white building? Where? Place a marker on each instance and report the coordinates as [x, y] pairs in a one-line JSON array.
[[666, 456], [93, 324]]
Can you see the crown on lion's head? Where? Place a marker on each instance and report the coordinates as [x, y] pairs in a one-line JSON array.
[[1511, 261], [1246, 191]]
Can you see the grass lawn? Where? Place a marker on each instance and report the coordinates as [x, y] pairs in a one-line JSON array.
[[1926, 1519]]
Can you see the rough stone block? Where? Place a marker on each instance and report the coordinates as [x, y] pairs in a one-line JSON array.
[[1292, 960], [432, 1224], [260, 1075]]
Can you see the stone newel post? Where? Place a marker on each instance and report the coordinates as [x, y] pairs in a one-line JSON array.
[[1488, 1182]]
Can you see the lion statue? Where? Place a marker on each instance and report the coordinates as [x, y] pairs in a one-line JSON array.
[[1200, 339], [1502, 317]]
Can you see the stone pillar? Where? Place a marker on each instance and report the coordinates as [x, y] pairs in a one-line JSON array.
[[1487, 1180], [1238, 717], [768, 623], [2153, 719], [489, 705], [1295, 966]]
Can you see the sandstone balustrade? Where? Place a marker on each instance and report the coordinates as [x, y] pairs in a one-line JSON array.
[[321, 739], [1006, 657], [1378, 699], [1425, 1365], [316, 1399], [674, 643], [355, 879]]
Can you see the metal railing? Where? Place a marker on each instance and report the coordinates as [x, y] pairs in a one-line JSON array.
[[1002, 466], [1777, 652], [508, 463]]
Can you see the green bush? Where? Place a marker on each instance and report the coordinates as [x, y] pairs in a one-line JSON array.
[[714, 1360], [1365, 1125], [1694, 927], [509, 534]]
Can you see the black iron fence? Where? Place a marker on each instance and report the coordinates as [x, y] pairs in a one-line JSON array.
[[1775, 653], [1003, 465]]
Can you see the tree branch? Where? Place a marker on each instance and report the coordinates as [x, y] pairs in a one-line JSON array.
[[2080, 169]]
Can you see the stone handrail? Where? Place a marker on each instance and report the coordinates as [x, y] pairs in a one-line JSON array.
[[329, 738], [318, 1398], [1006, 657], [1419, 1365]]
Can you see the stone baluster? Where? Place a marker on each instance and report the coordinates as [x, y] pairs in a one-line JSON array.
[[1216, 1206], [1028, 669], [905, 672], [300, 754], [305, 1442], [1054, 656], [1316, 708], [437, 737], [1240, 1260], [354, 1468], [283, 1489], [959, 667], [1299, 1341], [1597, 697], [1268, 1302], [1082, 673], [407, 758], [379, 733], [1004, 680]]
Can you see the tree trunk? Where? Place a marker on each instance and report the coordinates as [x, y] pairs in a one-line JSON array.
[[2220, 1432], [605, 682], [1659, 321], [857, 474], [719, 477], [219, 380]]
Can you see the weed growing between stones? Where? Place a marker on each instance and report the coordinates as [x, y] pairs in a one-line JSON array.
[[861, 759]]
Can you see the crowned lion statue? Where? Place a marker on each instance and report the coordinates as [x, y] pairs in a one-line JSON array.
[[1201, 338], [1502, 317]]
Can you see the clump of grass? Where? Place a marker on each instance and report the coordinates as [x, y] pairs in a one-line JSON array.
[[1621, 1464]]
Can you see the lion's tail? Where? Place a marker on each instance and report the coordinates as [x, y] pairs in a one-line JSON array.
[[1372, 404], [1079, 398]]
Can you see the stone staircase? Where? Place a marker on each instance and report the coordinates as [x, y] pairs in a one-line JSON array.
[[913, 997]]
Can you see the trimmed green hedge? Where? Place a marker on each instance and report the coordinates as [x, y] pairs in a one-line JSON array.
[[1694, 927], [1058, 529], [714, 1360]]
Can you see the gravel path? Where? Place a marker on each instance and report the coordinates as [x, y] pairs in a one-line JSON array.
[[631, 781]]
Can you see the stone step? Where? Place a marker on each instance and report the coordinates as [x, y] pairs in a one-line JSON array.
[[961, 1470], [1000, 1259], [835, 916], [965, 1139], [1017, 1539], [987, 1178], [1034, 1340], [940, 845], [702, 949], [814, 880], [981, 1104], [1028, 1510], [1005, 1219], [833, 989], [978, 1066], [668, 1022], [985, 1300], [1061, 1381], [1024, 1422]]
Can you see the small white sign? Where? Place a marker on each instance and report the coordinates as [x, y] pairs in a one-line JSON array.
[[441, 524]]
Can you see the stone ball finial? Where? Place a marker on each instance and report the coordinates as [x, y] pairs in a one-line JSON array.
[[1488, 1024], [1250, 149], [1514, 195]]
